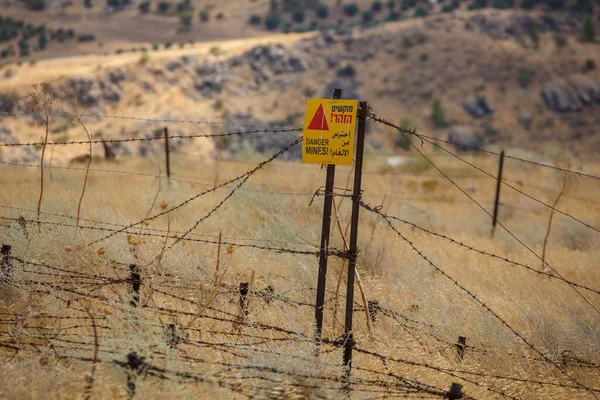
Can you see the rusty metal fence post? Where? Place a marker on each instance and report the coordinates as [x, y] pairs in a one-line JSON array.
[[353, 248], [325, 234]]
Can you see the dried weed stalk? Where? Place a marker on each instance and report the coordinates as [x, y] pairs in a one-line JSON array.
[[87, 169], [42, 98], [566, 185]]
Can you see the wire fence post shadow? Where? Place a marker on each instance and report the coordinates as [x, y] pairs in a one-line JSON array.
[[325, 235], [498, 184], [136, 282], [461, 347], [168, 159], [5, 263], [353, 249]]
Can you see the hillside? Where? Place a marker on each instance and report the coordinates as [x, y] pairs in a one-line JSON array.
[[474, 77]]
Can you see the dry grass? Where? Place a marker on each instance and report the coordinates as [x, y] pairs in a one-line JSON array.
[[229, 355]]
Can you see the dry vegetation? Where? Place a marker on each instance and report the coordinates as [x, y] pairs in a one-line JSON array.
[[67, 288], [67, 324]]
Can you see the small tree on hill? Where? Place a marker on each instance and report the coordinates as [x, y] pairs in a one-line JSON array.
[[438, 114], [322, 11], [588, 31], [272, 21]]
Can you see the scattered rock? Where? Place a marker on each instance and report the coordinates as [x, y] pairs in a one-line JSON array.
[[464, 140], [526, 119], [478, 107]]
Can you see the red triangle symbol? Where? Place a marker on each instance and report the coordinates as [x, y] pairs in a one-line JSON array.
[[319, 122]]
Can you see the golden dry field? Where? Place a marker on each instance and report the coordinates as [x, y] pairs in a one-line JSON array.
[[68, 325], [122, 283]]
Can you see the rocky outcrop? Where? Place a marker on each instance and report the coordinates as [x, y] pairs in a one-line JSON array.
[[261, 142], [571, 94], [90, 92], [503, 27], [267, 61]]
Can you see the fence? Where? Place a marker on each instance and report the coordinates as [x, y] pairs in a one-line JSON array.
[[219, 334]]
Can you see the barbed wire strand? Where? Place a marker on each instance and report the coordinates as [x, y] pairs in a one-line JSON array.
[[403, 132]]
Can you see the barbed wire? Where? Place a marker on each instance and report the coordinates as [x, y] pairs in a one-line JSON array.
[[146, 228], [143, 119], [378, 211], [49, 167], [484, 305], [244, 177], [402, 132], [539, 164], [514, 188], [149, 139]]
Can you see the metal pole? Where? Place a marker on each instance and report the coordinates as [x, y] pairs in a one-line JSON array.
[[498, 184], [356, 196], [325, 234], [167, 153]]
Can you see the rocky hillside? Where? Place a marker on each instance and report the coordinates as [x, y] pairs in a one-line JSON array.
[[480, 78]]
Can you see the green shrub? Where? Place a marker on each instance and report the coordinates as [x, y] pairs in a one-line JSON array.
[[525, 77], [554, 5], [582, 7], [351, 9], [144, 7], [204, 15], [534, 35], [163, 7], [185, 19], [478, 4], [503, 4], [438, 114], [560, 40], [529, 4], [272, 21], [391, 4], [36, 5], [588, 30], [424, 57], [394, 15], [220, 16], [347, 71], [421, 12], [287, 27], [377, 6], [298, 16], [155, 46], [589, 65], [255, 19], [367, 17], [86, 37], [87, 3], [168, 44], [408, 4], [322, 11]]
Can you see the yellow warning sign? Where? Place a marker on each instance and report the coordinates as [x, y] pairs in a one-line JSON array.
[[329, 127]]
